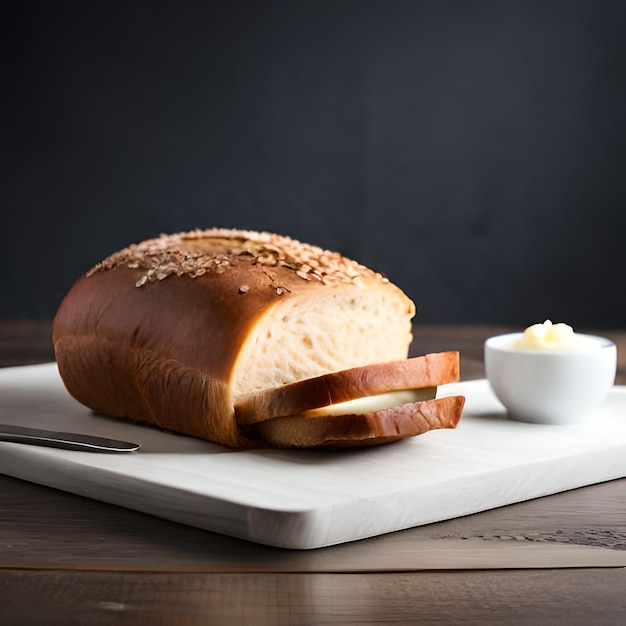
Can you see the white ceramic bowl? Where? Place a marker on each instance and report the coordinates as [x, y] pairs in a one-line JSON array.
[[550, 387]]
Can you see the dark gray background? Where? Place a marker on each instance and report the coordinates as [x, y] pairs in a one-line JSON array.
[[472, 151]]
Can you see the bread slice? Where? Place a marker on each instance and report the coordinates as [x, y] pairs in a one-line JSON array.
[[362, 429], [426, 371], [174, 331]]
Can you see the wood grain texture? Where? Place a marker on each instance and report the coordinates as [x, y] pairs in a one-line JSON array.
[[546, 597], [42, 528], [25, 342]]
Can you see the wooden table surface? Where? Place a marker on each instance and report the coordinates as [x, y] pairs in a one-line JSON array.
[[69, 560]]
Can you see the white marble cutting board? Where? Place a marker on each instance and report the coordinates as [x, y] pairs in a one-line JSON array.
[[301, 499]]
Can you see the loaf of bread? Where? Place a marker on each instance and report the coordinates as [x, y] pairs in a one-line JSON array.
[[209, 333]]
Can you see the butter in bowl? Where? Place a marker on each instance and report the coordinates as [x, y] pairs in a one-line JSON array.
[[549, 374]]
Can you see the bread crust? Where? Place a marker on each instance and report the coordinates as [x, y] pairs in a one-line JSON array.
[[363, 429], [430, 370], [125, 353]]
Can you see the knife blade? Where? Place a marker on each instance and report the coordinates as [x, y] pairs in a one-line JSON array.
[[67, 441]]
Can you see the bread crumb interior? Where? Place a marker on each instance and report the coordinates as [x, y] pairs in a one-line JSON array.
[[302, 338]]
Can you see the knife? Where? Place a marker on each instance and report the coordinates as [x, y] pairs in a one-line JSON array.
[[67, 441]]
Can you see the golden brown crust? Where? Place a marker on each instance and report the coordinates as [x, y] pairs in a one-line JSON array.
[[199, 252], [127, 354], [430, 370], [384, 426]]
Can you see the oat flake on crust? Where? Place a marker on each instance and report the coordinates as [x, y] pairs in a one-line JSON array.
[[183, 254]]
